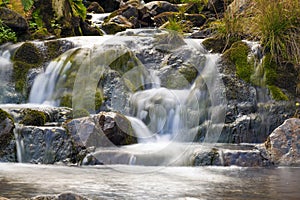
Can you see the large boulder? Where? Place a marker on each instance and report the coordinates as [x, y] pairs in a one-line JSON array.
[[13, 20], [102, 130], [7, 144], [283, 144]]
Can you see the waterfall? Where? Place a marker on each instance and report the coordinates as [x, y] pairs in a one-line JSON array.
[[19, 143], [44, 85]]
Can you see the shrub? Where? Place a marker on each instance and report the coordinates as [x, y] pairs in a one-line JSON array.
[[6, 34]]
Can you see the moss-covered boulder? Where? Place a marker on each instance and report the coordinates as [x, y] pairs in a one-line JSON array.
[[33, 118], [7, 145], [95, 8], [26, 57]]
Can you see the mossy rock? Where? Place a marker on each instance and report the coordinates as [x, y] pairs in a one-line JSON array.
[[28, 53], [20, 74], [218, 44], [277, 93], [4, 115], [190, 73], [238, 55], [269, 67], [33, 118]]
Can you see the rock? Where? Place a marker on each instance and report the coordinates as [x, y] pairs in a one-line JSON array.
[[45, 145], [3, 198], [101, 130], [89, 30], [283, 144], [7, 145], [162, 18], [63, 196], [158, 7], [109, 6], [116, 24], [13, 20], [95, 7], [229, 155], [197, 19], [53, 114], [117, 128]]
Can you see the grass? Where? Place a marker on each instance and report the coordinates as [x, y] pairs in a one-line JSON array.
[[277, 25], [6, 34]]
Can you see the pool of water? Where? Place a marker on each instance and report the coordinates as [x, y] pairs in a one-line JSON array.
[[20, 181]]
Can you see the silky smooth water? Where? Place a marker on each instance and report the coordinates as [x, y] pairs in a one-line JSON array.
[[19, 181]]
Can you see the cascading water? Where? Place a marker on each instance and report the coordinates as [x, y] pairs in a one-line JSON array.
[[165, 120]]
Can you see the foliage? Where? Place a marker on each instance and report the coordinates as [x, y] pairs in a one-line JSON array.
[[27, 4], [80, 112], [78, 8], [34, 118], [277, 24], [6, 34], [277, 94]]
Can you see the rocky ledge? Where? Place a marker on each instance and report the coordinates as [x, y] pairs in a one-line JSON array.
[[61, 139]]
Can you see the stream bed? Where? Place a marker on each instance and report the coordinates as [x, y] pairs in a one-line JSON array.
[[20, 181]]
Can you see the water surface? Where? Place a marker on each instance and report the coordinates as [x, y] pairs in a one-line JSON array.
[[19, 181]]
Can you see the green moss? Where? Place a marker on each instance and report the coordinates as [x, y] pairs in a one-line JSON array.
[[81, 112], [124, 63], [33, 118], [20, 74], [238, 54], [66, 100], [28, 53], [277, 94], [4, 115], [190, 73], [269, 67]]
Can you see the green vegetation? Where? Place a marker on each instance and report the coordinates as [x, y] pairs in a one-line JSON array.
[[80, 112], [238, 54], [78, 9], [33, 118], [277, 94], [6, 34], [277, 25]]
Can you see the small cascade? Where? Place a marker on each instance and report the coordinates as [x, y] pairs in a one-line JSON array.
[[19, 143], [44, 84]]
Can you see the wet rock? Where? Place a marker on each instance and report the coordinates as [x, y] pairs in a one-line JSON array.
[[7, 144], [117, 128], [53, 114], [13, 20], [158, 7], [197, 19], [101, 130], [45, 145], [283, 144], [89, 30], [116, 24], [63, 196], [95, 7], [231, 155]]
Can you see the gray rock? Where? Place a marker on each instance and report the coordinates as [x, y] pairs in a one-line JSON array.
[[7, 144], [283, 144], [45, 145], [13, 20], [63, 196]]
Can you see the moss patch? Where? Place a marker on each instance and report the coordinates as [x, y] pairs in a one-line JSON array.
[[4, 115], [277, 94], [33, 118], [218, 44], [81, 112], [238, 54]]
